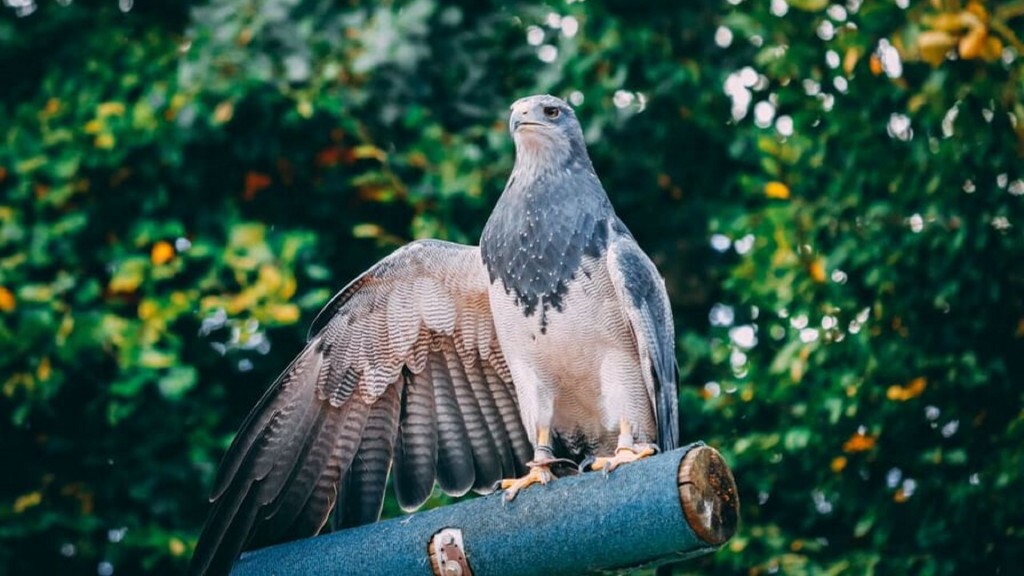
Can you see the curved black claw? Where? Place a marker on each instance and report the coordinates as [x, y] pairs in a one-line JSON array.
[[587, 464]]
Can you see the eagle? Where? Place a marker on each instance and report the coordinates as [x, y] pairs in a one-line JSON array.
[[547, 349]]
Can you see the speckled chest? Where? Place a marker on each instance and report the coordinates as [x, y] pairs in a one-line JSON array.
[[538, 236]]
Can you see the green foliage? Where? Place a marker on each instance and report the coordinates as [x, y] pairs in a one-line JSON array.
[[833, 192]]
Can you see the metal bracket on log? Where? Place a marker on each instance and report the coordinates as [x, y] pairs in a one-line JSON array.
[[665, 508], [448, 556]]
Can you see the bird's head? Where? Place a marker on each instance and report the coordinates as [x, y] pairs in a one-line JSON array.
[[545, 128]]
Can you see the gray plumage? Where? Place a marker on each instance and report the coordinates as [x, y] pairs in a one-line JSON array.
[[442, 361]]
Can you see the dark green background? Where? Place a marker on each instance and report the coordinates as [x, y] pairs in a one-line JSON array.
[[182, 187]]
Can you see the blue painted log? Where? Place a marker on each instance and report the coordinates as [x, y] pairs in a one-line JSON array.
[[666, 508]]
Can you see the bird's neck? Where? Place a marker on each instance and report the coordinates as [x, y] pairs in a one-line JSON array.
[[539, 161]]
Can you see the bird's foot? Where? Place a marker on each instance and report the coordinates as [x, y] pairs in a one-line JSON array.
[[540, 473], [623, 455]]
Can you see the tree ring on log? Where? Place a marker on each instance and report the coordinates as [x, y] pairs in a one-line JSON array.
[[708, 496]]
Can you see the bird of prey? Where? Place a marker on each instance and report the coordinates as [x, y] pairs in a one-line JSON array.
[[464, 365]]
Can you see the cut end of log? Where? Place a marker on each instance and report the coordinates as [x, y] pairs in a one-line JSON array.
[[707, 493]]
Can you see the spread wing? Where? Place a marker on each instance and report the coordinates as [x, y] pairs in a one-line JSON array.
[[642, 293], [402, 366]]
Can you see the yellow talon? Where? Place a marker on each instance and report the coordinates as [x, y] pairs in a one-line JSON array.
[[623, 455], [538, 474]]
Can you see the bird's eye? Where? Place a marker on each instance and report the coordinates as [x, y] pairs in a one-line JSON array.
[[551, 112]]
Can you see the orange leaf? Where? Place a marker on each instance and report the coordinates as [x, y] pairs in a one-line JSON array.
[[859, 443], [329, 156], [972, 44], [162, 253], [838, 464], [818, 271], [913, 389], [7, 302], [223, 112], [875, 64], [254, 182]]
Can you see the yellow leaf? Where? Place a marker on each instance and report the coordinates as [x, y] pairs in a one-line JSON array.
[[949, 22], [151, 358], [52, 107], [113, 328], [776, 190], [44, 370], [288, 288], [241, 302], [367, 231], [26, 501], [933, 46], [176, 546], [976, 8], [992, 50], [35, 293], [93, 126], [177, 102], [285, 313], [110, 109], [850, 59], [125, 281], [67, 324], [796, 370], [104, 141], [916, 102], [7, 302], [900, 496], [809, 5], [369, 151], [147, 309], [161, 253], [21, 380], [179, 298], [269, 278]]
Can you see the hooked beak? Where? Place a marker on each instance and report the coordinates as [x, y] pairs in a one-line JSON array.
[[522, 117], [518, 123]]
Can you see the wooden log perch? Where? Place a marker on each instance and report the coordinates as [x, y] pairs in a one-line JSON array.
[[666, 508]]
